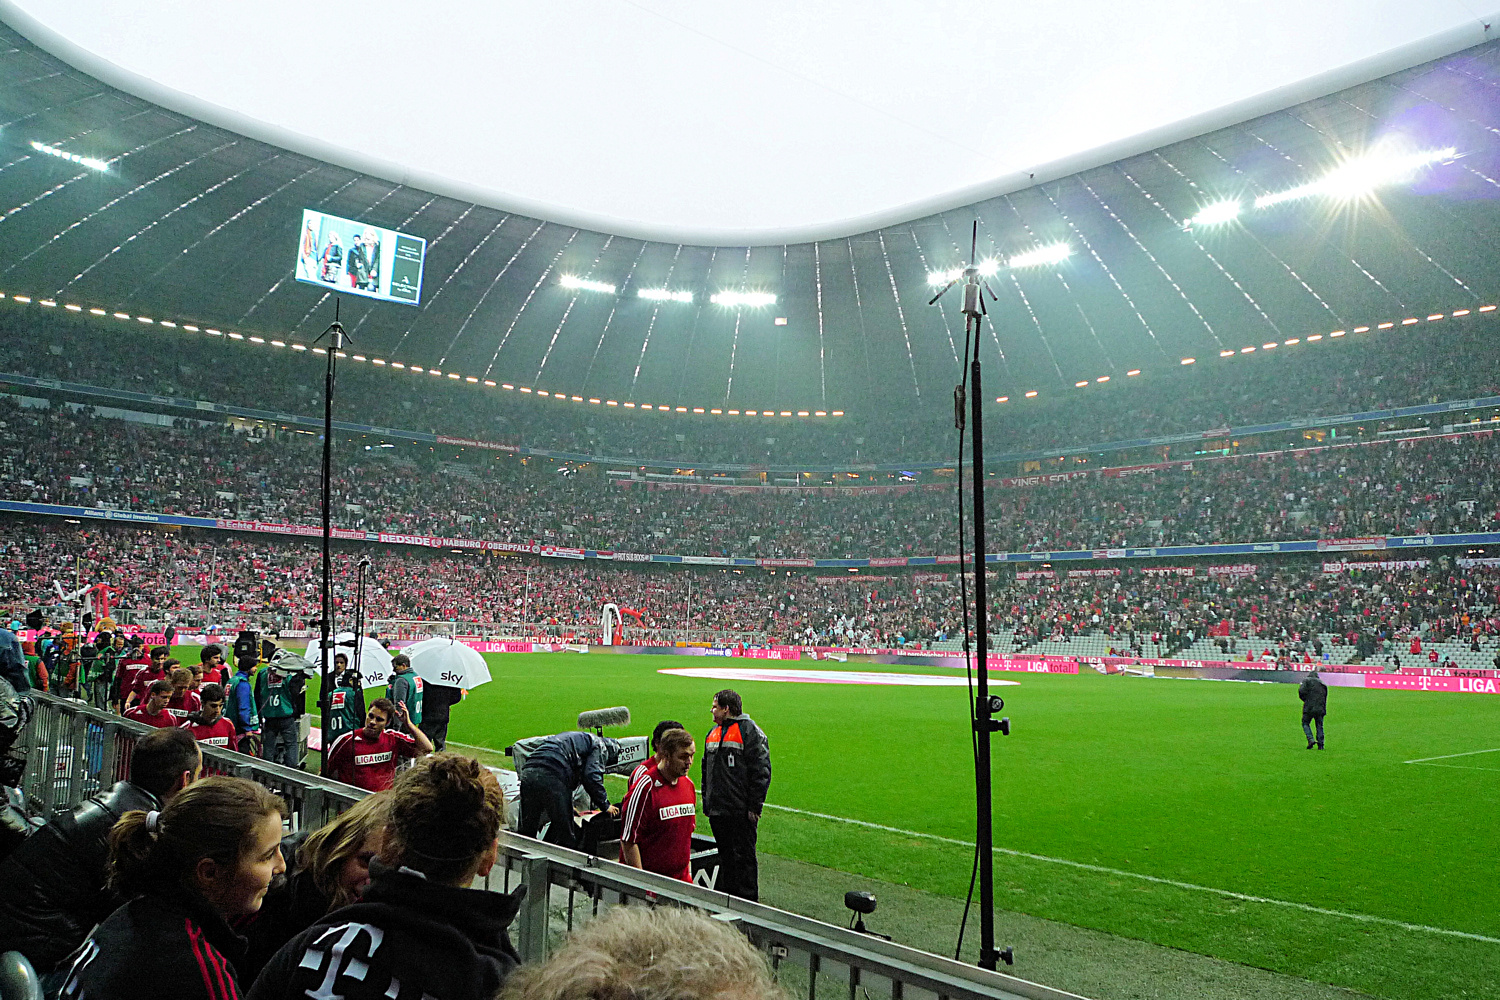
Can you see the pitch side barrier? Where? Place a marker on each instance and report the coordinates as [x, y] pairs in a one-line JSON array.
[[1372, 544], [74, 751], [201, 407]]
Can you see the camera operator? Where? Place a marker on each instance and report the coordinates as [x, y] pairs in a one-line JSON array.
[[552, 771]]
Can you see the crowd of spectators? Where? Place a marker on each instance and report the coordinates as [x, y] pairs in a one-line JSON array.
[[59, 455], [1450, 360], [199, 578]]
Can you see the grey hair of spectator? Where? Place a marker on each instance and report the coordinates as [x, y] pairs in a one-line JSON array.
[[645, 953]]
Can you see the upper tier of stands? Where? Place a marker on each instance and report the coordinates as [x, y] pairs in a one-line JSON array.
[[1452, 359]]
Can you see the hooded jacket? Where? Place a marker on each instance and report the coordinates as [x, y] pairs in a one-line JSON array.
[[407, 938], [736, 767], [166, 944], [52, 889], [1314, 695]]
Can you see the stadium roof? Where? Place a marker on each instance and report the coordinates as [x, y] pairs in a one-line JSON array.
[[194, 223], [727, 124]]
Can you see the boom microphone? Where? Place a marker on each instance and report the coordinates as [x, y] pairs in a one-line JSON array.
[[601, 717]]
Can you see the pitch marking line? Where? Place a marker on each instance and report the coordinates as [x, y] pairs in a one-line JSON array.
[[1305, 907], [1363, 917], [1446, 756]]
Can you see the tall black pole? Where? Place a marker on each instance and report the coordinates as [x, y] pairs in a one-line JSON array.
[[983, 713], [325, 645]]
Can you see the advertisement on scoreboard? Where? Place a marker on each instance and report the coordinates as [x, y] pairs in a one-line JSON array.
[[343, 255]]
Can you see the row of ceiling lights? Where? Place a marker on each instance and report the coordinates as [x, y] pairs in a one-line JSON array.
[[1290, 342], [732, 299], [455, 376]]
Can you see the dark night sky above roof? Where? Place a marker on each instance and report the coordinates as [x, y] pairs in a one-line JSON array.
[[199, 225]]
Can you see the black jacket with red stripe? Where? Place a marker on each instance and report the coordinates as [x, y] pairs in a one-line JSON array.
[[166, 944], [736, 768]]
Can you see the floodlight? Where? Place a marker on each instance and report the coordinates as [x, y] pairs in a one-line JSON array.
[[1357, 177], [1215, 214], [663, 295], [1051, 254], [585, 285], [743, 299], [82, 161], [989, 267]]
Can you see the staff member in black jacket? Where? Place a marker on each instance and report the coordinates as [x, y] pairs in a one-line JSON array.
[[551, 772], [52, 889], [418, 930], [736, 777], [1314, 695]]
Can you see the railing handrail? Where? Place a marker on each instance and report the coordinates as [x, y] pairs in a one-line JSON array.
[[317, 799]]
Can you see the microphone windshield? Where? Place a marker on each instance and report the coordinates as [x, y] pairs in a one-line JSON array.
[[600, 717]]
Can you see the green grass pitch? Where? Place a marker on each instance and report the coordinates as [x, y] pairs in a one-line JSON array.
[[1196, 782]]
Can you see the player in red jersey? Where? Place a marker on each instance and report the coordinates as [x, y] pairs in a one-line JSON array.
[[648, 766], [153, 711], [184, 701], [661, 812], [209, 725], [155, 670], [367, 757]]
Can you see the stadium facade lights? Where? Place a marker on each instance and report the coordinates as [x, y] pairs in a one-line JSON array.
[[1053, 253], [1133, 371], [1268, 347], [585, 284], [1460, 312], [62, 154], [100, 312], [736, 299], [1316, 336], [1187, 361], [1215, 214], [1410, 321], [1486, 309], [1081, 385], [52, 304], [1289, 343], [1031, 394], [663, 295], [1226, 354], [1002, 399], [1358, 176], [1102, 378], [1434, 316], [76, 308]]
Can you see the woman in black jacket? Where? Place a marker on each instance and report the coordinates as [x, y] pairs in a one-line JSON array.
[[418, 930], [206, 858]]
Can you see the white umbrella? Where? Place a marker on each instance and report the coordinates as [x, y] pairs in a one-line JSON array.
[[445, 661], [374, 661]]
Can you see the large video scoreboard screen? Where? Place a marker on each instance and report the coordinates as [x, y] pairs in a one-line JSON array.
[[342, 255]]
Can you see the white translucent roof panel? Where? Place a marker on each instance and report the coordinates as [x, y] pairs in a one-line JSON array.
[[731, 123]]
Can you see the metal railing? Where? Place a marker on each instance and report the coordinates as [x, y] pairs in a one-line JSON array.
[[75, 751]]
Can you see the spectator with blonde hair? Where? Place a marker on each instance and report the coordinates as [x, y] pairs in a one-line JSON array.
[[645, 953], [418, 928]]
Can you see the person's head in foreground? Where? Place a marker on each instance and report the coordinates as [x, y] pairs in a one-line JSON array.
[[443, 818], [641, 953], [338, 854], [218, 839]]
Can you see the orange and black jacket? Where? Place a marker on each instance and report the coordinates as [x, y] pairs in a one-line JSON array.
[[736, 768]]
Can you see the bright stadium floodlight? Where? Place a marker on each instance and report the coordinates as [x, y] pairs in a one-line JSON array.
[[989, 267], [935, 278], [663, 295], [1215, 214], [743, 299], [62, 154], [1051, 254], [585, 285], [1357, 177]]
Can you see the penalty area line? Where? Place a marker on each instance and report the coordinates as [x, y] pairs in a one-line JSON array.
[[1085, 866]]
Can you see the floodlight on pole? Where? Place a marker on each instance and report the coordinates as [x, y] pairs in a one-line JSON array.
[[1357, 177]]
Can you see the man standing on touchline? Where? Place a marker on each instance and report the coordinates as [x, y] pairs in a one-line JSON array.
[[736, 777], [1314, 695]]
